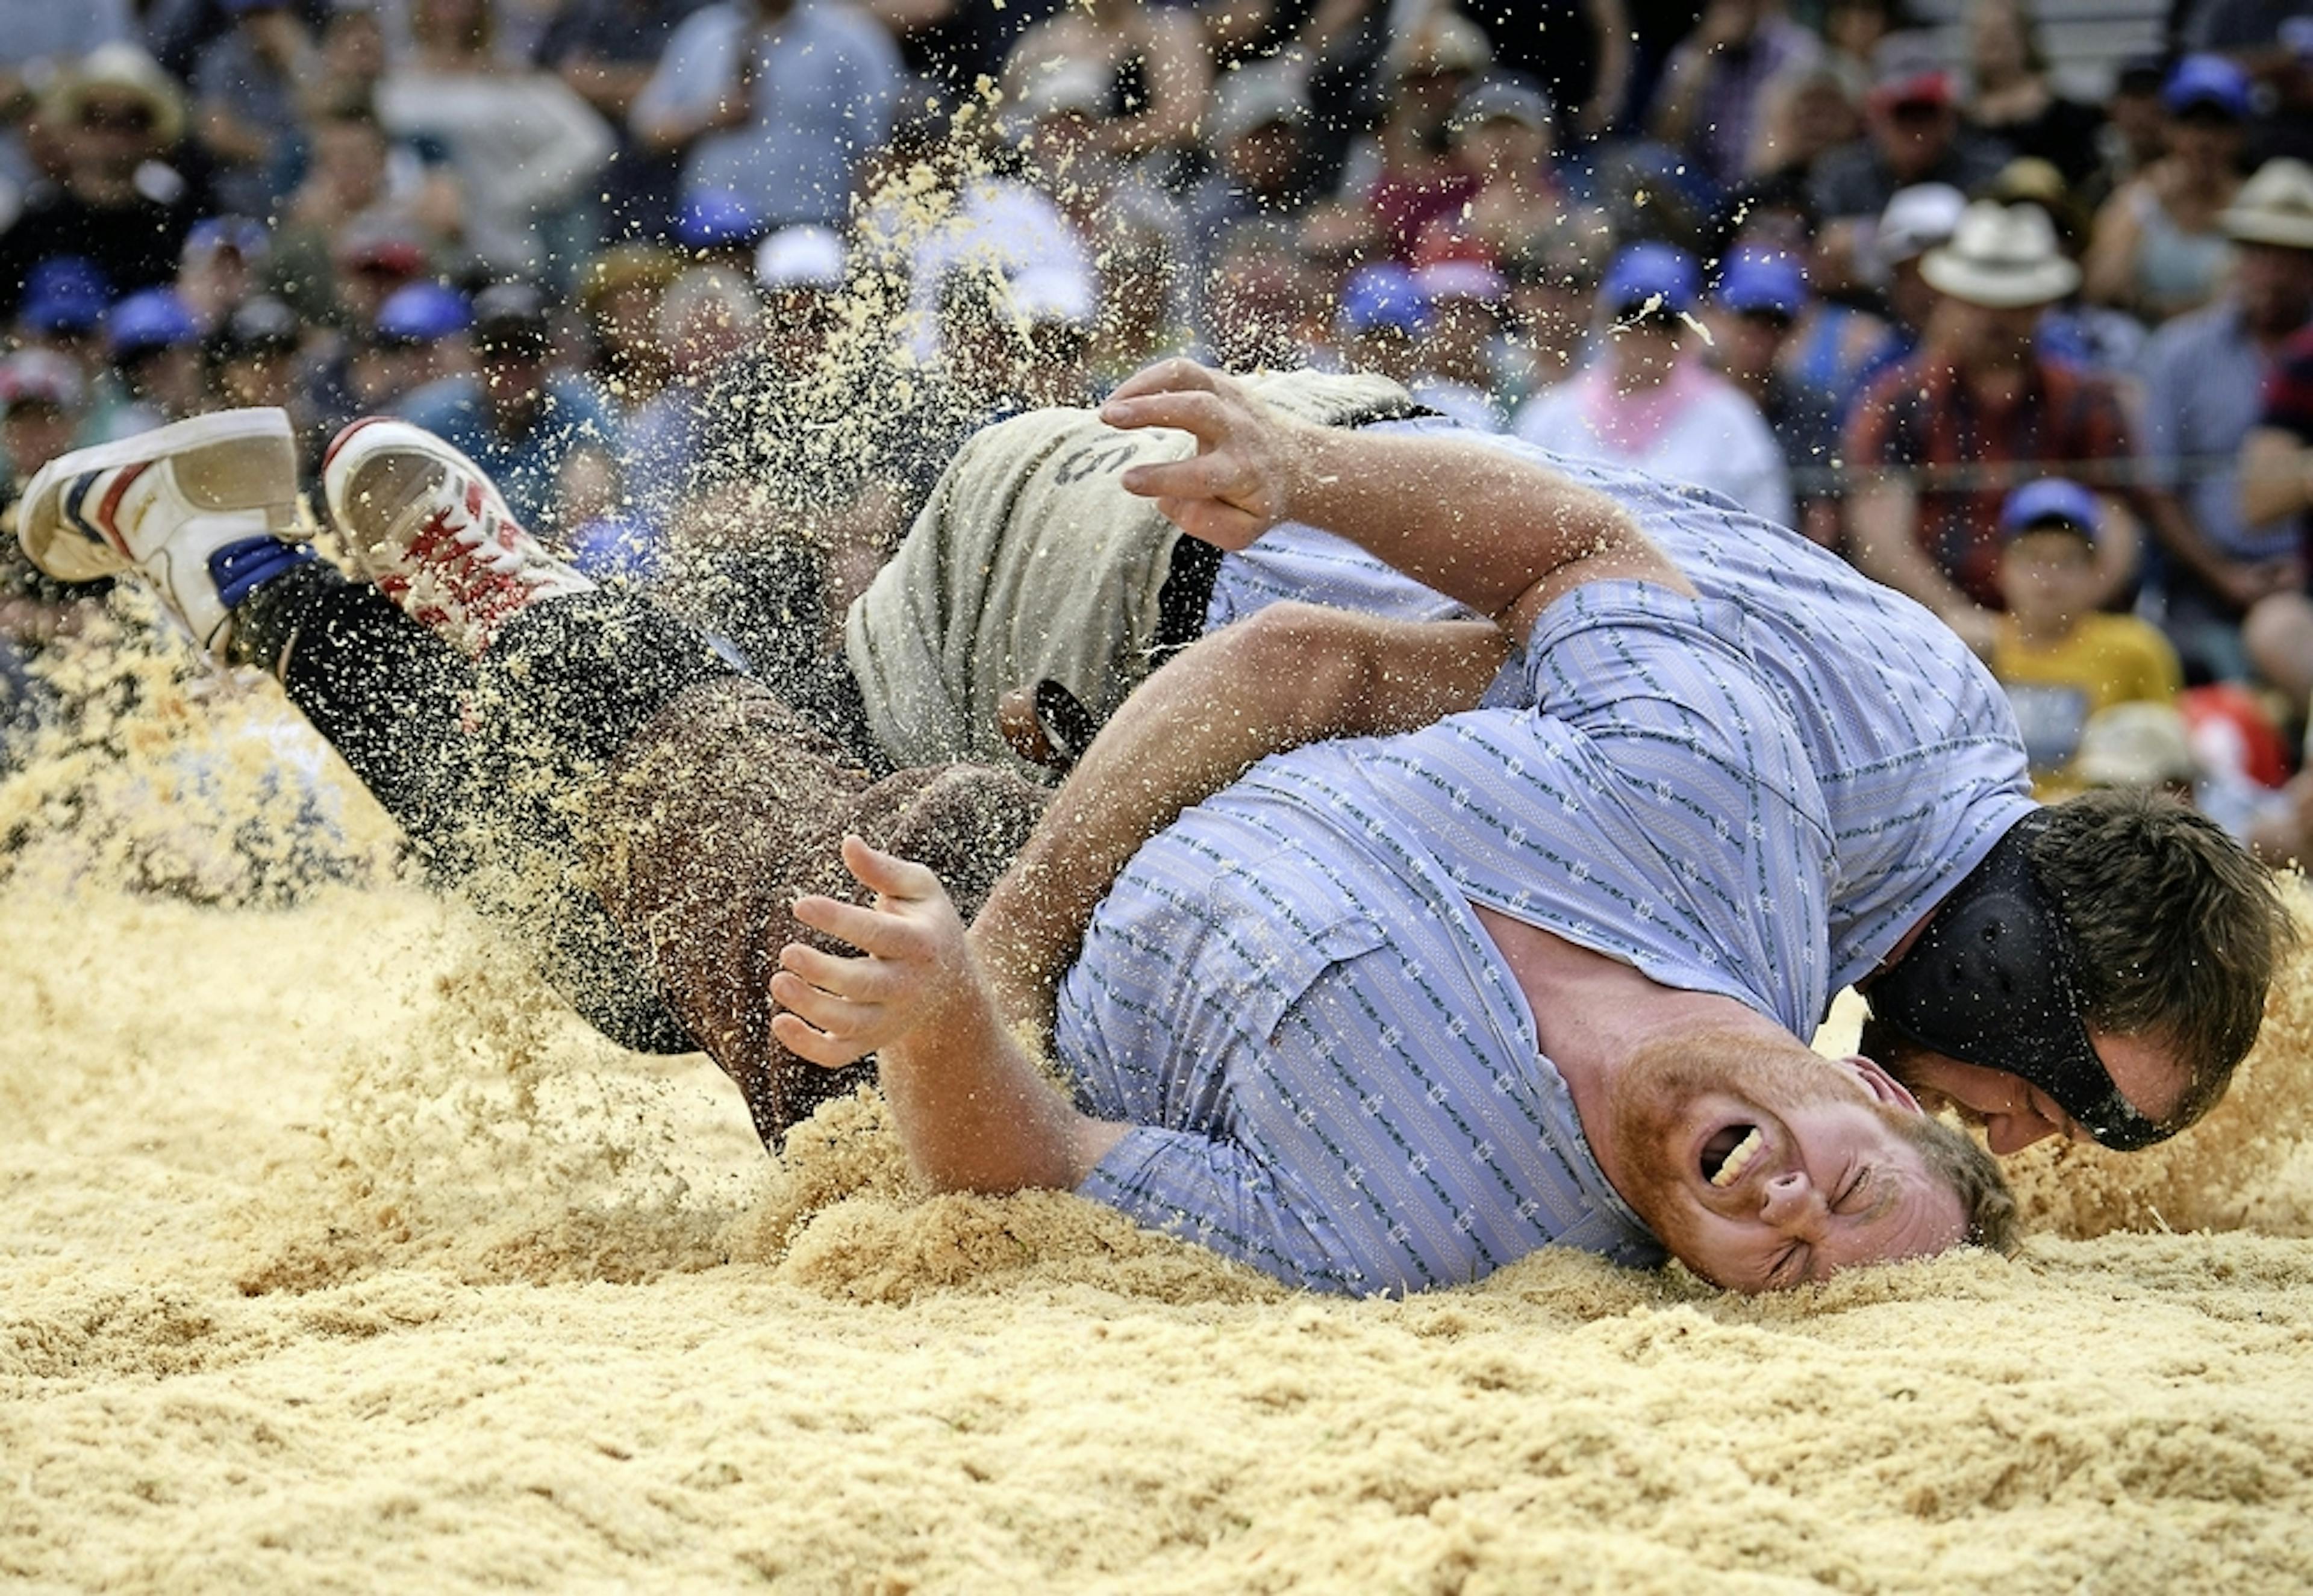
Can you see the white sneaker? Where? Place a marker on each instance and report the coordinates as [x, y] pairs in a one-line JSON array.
[[432, 532], [204, 508]]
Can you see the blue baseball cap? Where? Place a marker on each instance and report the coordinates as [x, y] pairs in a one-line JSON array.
[[64, 293], [2051, 498], [1755, 280], [155, 318], [423, 312], [1383, 294], [1651, 275], [716, 219], [245, 238], [2207, 80]]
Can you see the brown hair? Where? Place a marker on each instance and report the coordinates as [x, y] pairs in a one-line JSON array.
[[1960, 1163], [2179, 930]]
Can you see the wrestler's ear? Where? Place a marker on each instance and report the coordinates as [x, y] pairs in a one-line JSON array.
[[1883, 1087]]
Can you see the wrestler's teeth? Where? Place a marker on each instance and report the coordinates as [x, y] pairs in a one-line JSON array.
[[1745, 1150]]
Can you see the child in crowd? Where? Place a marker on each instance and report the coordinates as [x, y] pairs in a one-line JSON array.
[[2062, 659]]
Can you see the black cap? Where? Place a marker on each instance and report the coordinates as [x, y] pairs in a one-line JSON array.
[[510, 319], [259, 326]]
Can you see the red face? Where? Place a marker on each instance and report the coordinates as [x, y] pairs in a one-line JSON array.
[[1763, 1173]]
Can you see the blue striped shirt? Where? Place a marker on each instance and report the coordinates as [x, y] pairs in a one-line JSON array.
[[1332, 1074], [1912, 741]]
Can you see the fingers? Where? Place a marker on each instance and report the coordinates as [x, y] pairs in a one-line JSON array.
[[869, 930], [888, 874], [1208, 521], [813, 1046], [1203, 411], [1166, 376]]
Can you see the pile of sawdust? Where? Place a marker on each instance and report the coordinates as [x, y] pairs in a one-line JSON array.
[[337, 1257]]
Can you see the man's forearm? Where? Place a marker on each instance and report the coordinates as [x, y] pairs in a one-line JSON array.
[[975, 1114], [1498, 533], [1291, 675]]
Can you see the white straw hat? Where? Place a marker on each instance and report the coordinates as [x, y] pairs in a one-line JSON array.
[[2003, 256], [2275, 206]]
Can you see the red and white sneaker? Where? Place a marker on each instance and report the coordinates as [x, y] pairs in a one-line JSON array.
[[206, 509], [432, 532]]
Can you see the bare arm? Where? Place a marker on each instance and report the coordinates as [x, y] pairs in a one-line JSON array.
[[1500, 533], [2108, 270], [2276, 476], [1290, 675], [974, 1111], [1881, 517]]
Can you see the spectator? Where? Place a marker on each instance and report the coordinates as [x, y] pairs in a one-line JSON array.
[[1454, 365], [154, 347], [224, 258], [524, 147], [1381, 322], [2096, 337], [1503, 135], [606, 51], [618, 299], [1553, 300], [1838, 347], [2276, 481], [116, 202], [245, 88], [256, 359], [2060, 658], [1267, 303], [1406, 178], [2204, 375], [1759, 299], [706, 317], [1259, 121], [64, 301], [1858, 33], [420, 340], [775, 100], [1156, 76], [1809, 113], [42, 400], [373, 262], [514, 417], [360, 185], [1912, 134], [2143, 745], [1643, 403], [2012, 101], [1711, 102], [2135, 129], [1581, 52], [1145, 295], [2157, 247], [1975, 407]]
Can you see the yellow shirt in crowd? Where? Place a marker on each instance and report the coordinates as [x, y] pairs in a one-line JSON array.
[[2106, 660]]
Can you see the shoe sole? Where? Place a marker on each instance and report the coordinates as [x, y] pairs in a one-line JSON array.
[[351, 453], [214, 458]]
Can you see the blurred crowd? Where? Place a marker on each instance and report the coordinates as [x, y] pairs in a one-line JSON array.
[[714, 287]]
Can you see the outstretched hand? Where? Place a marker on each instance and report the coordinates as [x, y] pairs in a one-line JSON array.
[[917, 968], [1239, 482]]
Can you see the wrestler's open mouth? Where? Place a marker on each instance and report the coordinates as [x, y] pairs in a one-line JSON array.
[[1729, 1151]]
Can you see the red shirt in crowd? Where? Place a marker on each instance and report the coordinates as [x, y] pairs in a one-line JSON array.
[[1919, 414]]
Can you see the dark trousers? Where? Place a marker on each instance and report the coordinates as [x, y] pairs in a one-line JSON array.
[[640, 816]]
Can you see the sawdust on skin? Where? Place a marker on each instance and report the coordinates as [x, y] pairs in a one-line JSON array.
[[338, 1256]]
